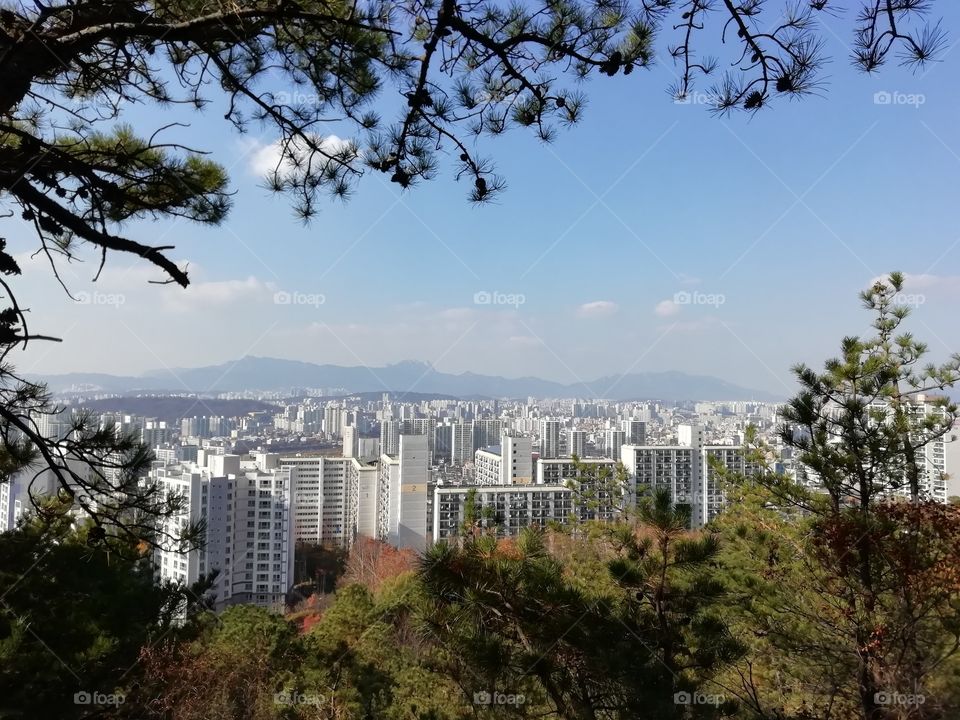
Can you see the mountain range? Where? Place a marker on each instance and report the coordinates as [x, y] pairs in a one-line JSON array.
[[273, 374]]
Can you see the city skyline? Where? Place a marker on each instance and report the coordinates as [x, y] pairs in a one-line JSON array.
[[571, 359]]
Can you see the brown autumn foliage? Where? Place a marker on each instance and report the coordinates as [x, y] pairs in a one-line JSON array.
[[372, 562], [507, 547], [205, 685], [897, 602], [308, 612]]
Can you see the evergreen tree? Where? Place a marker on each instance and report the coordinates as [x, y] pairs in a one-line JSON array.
[[852, 557], [74, 617]]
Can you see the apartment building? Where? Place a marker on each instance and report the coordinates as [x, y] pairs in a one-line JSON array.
[[402, 494], [549, 438], [506, 509], [509, 463], [576, 443], [686, 470], [635, 431], [249, 529], [613, 440]]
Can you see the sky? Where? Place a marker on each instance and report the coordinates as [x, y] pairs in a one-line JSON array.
[[651, 236]]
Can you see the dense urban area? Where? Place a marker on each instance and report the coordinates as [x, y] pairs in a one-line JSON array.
[[479, 360], [326, 472]]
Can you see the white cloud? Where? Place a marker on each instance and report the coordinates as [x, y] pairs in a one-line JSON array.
[[598, 308], [666, 308], [266, 159], [201, 296]]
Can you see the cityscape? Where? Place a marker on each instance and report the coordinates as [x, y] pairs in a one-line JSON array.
[[325, 472], [479, 360]]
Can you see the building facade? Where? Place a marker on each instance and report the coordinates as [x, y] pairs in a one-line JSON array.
[[549, 439], [249, 530]]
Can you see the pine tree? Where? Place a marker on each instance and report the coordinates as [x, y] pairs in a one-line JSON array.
[[856, 548]]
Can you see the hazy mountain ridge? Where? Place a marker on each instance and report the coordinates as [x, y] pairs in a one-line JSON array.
[[273, 374]]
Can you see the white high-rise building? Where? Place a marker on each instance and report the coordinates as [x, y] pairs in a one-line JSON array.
[[461, 443], [576, 443], [517, 454], [560, 496], [351, 444], [249, 530], [334, 499], [951, 459], [54, 426], [332, 420], [11, 493], [685, 470], [933, 467], [17, 489], [155, 432], [364, 479], [320, 499], [390, 437], [37, 482], [486, 432], [509, 463], [636, 432], [508, 509], [402, 494], [932, 457], [425, 426], [613, 441], [549, 438]]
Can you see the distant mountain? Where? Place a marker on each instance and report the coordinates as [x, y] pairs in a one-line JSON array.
[[272, 374]]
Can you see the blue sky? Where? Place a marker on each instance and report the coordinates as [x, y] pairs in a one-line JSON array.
[[783, 215]]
